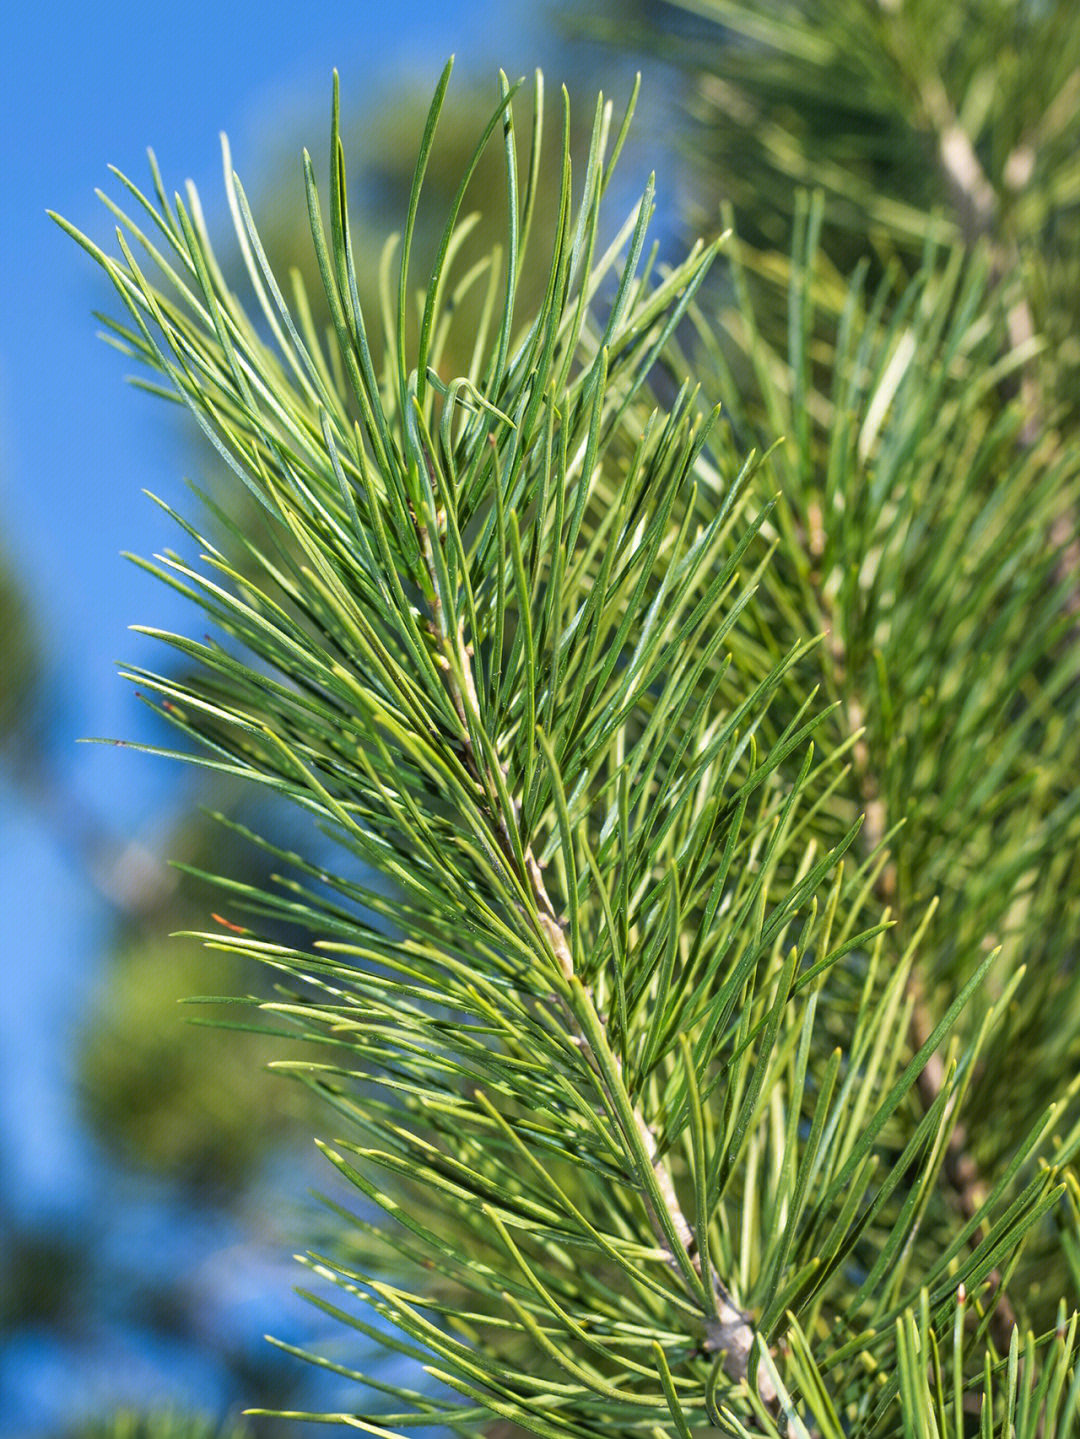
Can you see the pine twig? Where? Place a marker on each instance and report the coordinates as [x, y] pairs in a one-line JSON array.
[[728, 1329]]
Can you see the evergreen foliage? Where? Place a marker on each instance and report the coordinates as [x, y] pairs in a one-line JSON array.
[[668, 1102], [905, 114], [165, 1425], [20, 697]]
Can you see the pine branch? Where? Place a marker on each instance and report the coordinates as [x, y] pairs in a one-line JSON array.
[[821, 555], [978, 209], [976, 205], [961, 1169], [616, 1052], [729, 1330]]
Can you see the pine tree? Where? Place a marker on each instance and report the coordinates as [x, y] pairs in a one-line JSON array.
[[668, 1101]]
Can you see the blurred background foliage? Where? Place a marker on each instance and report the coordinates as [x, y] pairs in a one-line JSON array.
[[168, 1091], [918, 122], [910, 117], [160, 1426], [22, 663]]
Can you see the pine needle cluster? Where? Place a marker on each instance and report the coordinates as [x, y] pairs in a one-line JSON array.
[[668, 1102]]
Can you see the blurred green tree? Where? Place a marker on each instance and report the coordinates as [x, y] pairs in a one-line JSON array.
[[21, 664], [913, 120], [166, 1425]]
